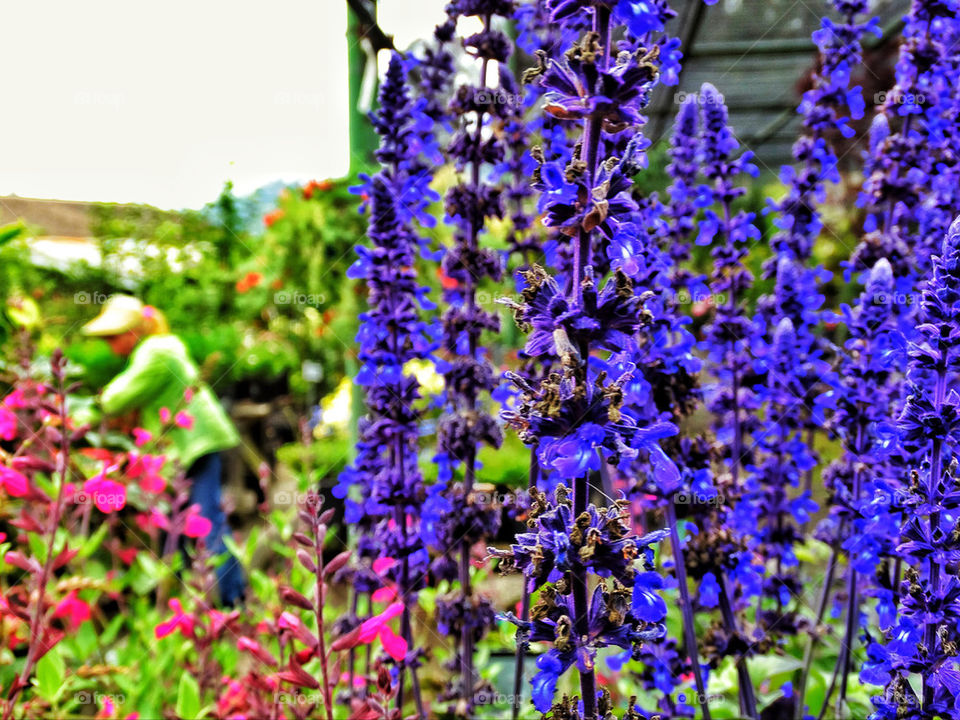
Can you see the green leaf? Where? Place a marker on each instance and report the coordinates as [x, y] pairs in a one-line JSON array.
[[38, 547], [253, 542], [149, 573], [50, 674], [188, 698], [11, 231], [93, 542], [232, 547], [85, 641], [110, 632], [764, 667]]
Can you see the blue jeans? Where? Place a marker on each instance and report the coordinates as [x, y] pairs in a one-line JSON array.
[[205, 474]]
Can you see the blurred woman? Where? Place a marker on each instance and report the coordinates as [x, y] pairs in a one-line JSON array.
[[161, 378]]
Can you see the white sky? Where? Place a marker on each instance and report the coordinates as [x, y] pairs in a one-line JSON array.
[[130, 101]]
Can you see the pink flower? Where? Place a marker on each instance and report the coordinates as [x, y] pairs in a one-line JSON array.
[[146, 468], [233, 697], [141, 437], [164, 415], [107, 494], [245, 644], [74, 610], [108, 709], [358, 680], [196, 526], [388, 592], [14, 483], [188, 395], [220, 621], [184, 420], [376, 627], [158, 519], [180, 621], [15, 400], [8, 424]]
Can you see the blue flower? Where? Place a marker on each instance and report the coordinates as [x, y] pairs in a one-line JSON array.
[[709, 591], [576, 455], [544, 683], [555, 187], [641, 16], [647, 603]]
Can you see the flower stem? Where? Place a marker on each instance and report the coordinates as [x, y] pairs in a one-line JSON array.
[[748, 702], [466, 631], [799, 711], [686, 606], [853, 609], [523, 640], [581, 486], [406, 626], [581, 609], [36, 620], [933, 498], [318, 611]]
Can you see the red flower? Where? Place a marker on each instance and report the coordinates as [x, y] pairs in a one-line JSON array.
[[181, 621], [147, 469], [314, 185], [446, 282], [101, 454], [376, 627], [8, 424], [74, 610], [271, 217], [196, 526], [248, 281], [15, 483], [15, 400]]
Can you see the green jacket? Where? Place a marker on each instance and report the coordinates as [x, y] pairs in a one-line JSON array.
[[158, 375]]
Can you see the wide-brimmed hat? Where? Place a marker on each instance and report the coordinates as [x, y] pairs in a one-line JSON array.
[[121, 313]]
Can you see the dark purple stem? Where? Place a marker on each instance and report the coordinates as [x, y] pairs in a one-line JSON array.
[[522, 635], [686, 606], [318, 533], [63, 468], [748, 701]]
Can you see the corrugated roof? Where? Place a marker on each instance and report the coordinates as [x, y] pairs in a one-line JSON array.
[[758, 54]]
